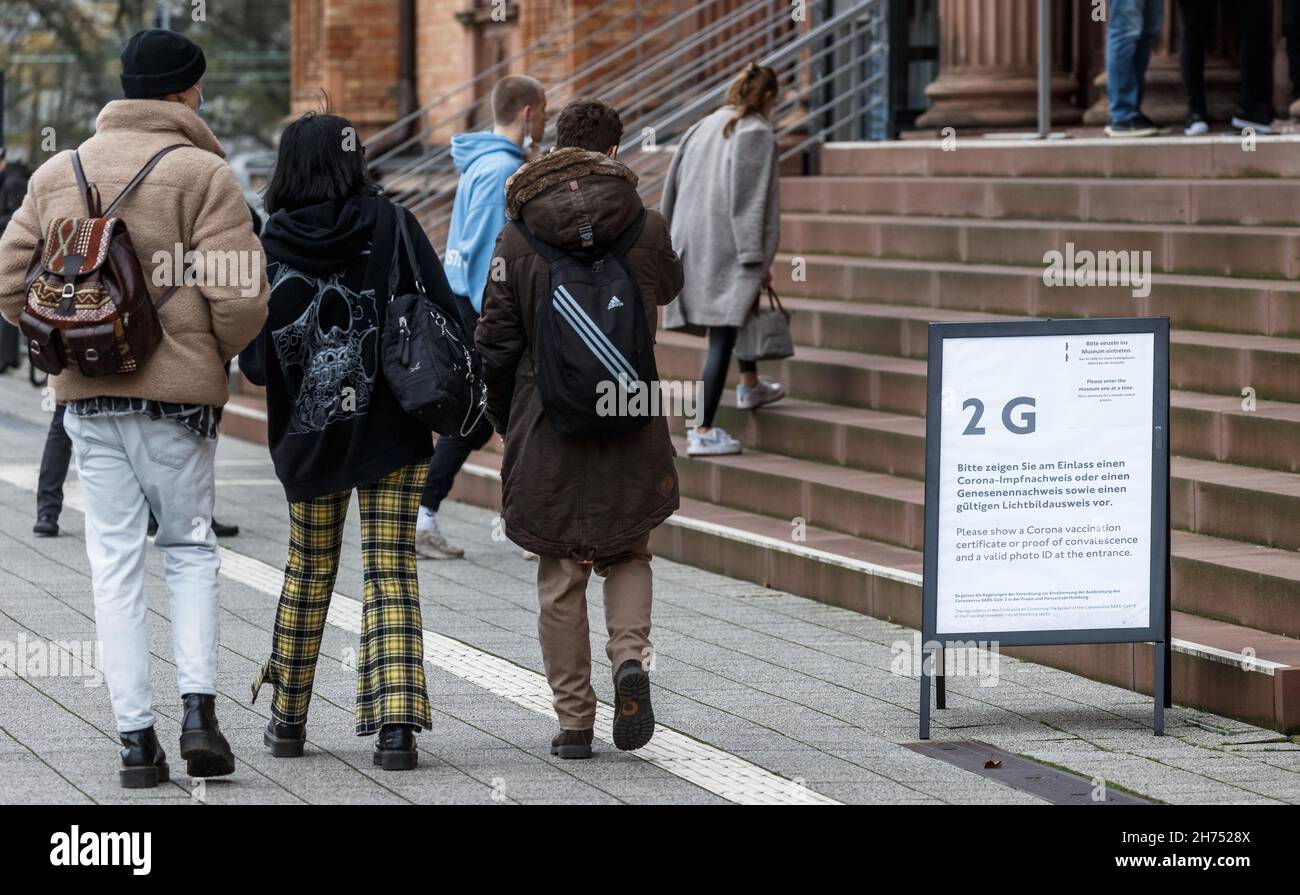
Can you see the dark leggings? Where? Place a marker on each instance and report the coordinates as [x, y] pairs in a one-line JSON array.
[[722, 339]]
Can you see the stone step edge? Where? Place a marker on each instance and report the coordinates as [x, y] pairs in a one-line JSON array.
[[1197, 650]]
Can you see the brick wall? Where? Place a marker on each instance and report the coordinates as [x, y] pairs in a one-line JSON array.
[[348, 48]]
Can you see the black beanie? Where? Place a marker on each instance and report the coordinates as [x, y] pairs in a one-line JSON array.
[[158, 62]]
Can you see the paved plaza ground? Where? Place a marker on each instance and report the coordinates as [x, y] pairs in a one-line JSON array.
[[762, 696]]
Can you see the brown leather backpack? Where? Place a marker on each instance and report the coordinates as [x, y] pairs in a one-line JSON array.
[[88, 302]]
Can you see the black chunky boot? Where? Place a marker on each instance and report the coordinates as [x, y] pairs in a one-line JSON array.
[[634, 719], [285, 740], [144, 764], [205, 750], [572, 743], [395, 750]]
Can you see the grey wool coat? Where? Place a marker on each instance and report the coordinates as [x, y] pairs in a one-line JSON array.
[[721, 200]]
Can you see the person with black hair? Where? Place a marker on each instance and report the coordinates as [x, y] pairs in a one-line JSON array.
[[335, 426]]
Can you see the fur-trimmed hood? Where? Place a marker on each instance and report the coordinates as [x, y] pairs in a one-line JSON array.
[[566, 188]]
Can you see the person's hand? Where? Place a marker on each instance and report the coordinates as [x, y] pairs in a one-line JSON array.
[[767, 280]]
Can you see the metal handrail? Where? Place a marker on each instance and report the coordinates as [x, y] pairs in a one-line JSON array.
[[568, 27], [438, 156], [661, 103]]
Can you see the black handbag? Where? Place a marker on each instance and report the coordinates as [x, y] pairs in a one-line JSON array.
[[430, 366]]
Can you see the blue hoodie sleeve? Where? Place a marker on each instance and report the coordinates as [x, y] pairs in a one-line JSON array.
[[483, 221], [478, 217]]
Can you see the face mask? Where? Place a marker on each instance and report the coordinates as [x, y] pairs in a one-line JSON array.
[[200, 110]]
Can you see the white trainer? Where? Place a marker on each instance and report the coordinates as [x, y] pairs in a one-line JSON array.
[[430, 544], [765, 392], [713, 443]]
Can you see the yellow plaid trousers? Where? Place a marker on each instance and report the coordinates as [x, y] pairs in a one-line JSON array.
[[391, 687]]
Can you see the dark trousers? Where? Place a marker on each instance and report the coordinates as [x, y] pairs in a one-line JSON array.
[[451, 451], [1198, 27], [1291, 28], [1255, 29], [1254, 26], [722, 341], [54, 468], [8, 346]]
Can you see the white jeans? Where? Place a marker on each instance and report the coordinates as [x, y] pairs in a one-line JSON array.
[[128, 465]]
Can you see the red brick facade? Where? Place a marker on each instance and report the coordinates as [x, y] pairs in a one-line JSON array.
[[350, 49]]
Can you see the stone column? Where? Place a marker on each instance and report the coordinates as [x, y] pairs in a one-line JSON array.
[[988, 66]]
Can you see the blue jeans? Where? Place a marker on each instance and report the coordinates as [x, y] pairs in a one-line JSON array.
[[1132, 27]]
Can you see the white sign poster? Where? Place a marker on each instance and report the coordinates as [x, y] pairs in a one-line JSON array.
[[1045, 483]]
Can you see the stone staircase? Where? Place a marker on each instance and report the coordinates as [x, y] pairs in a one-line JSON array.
[[893, 236]]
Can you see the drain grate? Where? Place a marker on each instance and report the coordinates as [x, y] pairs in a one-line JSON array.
[[1048, 783]]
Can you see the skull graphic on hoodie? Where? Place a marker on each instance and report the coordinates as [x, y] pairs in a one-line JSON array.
[[329, 355]]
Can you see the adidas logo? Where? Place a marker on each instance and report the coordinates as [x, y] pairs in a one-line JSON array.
[[613, 303]]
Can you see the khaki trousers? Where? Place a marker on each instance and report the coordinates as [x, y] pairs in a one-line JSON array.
[[564, 633]]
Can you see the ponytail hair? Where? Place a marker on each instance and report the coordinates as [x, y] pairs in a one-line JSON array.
[[753, 91]]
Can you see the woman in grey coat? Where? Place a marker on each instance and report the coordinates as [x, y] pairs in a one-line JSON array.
[[720, 198]]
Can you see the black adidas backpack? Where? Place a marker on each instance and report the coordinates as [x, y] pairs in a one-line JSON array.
[[590, 338]]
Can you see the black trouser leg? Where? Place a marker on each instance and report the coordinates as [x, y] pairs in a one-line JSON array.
[[1255, 26], [1198, 24], [722, 339], [54, 468], [449, 455], [8, 346], [1291, 28]]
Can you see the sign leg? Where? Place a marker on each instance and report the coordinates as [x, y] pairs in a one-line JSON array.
[[1158, 688], [940, 691], [925, 698]]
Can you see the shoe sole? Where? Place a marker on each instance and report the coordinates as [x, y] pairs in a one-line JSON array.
[[634, 718], [1261, 129], [438, 554], [283, 748], [206, 754], [1143, 132], [391, 760], [571, 751], [144, 777], [762, 403], [726, 453]]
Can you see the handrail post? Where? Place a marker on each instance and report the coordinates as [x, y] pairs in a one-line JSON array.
[[1044, 69]]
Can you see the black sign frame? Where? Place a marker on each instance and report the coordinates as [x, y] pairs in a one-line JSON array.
[[1158, 629]]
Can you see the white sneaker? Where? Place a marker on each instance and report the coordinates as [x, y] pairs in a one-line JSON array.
[[765, 392], [430, 544], [713, 443]]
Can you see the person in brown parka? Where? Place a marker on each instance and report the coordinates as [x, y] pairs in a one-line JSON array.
[[579, 503]]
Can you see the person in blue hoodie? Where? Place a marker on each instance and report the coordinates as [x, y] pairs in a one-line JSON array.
[[485, 160]]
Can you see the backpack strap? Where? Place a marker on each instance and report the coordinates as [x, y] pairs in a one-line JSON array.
[[550, 254], [89, 197], [621, 246], [140, 175]]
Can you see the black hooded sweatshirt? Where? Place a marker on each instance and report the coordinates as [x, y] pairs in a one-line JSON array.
[[333, 424]]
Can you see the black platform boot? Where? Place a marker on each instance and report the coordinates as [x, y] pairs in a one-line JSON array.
[[285, 740], [144, 764], [395, 749], [205, 750]]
